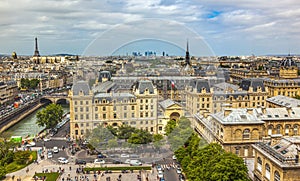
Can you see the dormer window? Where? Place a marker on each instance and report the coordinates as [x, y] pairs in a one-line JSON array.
[[103, 101]]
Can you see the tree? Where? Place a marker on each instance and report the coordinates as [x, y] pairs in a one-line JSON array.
[[33, 84], [125, 131], [113, 143], [180, 134], [170, 126], [100, 137], [2, 172], [50, 116], [210, 162], [140, 137]]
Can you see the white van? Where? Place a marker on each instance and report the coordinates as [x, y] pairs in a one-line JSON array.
[[135, 163]]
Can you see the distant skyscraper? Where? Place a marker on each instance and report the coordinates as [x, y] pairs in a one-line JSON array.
[[36, 51], [187, 54]]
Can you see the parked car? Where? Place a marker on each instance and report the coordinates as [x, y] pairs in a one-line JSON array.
[[117, 162], [63, 160], [101, 155], [99, 161], [80, 162], [124, 156]]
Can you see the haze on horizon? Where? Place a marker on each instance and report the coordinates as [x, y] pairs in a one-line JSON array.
[[228, 27]]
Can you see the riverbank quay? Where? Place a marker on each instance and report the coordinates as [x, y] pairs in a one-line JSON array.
[[17, 117]]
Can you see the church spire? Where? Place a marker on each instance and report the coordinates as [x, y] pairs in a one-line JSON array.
[[187, 54], [36, 51]]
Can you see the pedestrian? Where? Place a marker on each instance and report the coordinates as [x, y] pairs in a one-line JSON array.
[[70, 168], [13, 177]]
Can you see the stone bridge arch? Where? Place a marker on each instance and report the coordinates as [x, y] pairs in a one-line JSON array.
[[55, 100]]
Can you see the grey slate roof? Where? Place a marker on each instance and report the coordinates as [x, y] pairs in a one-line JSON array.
[[200, 84], [255, 83], [145, 84], [104, 74], [167, 103], [114, 96], [287, 62], [284, 101], [81, 86]]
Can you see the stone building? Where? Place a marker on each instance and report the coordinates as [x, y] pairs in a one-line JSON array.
[[282, 101], [137, 108], [237, 129], [277, 159], [202, 96]]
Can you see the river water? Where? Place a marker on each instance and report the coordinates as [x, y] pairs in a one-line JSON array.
[[28, 125]]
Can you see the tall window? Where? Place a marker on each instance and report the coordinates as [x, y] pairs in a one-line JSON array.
[[115, 115], [296, 130], [276, 176], [259, 164], [278, 129], [287, 129], [267, 174], [270, 130], [246, 134]]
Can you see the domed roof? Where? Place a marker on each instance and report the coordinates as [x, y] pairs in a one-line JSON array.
[[287, 62]]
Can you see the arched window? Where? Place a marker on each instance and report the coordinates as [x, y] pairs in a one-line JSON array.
[[246, 134], [287, 129], [270, 129], [267, 174], [259, 164], [276, 176], [278, 129], [295, 129]]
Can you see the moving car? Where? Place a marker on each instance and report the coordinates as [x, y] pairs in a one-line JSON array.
[[46, 139], [63, 160], [178, 170], [135, 163], [55, 149], [160, 174], [49, 154], [174, 157]]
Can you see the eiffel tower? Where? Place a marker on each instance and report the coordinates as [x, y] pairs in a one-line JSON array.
[[36, 51]]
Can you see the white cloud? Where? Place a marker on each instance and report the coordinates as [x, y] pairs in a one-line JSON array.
[[213, 19]]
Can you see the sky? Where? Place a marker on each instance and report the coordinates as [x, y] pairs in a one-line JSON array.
[[106, 27]]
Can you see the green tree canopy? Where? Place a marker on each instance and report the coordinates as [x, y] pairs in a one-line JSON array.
[[50, 116], [180, 134], [29, 83], [170, 126], [140, 137], [210, 162]]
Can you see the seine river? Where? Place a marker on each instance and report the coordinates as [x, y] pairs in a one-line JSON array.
[[28, 125]]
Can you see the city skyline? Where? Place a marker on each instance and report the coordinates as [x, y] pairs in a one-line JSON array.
[[212, 27]]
